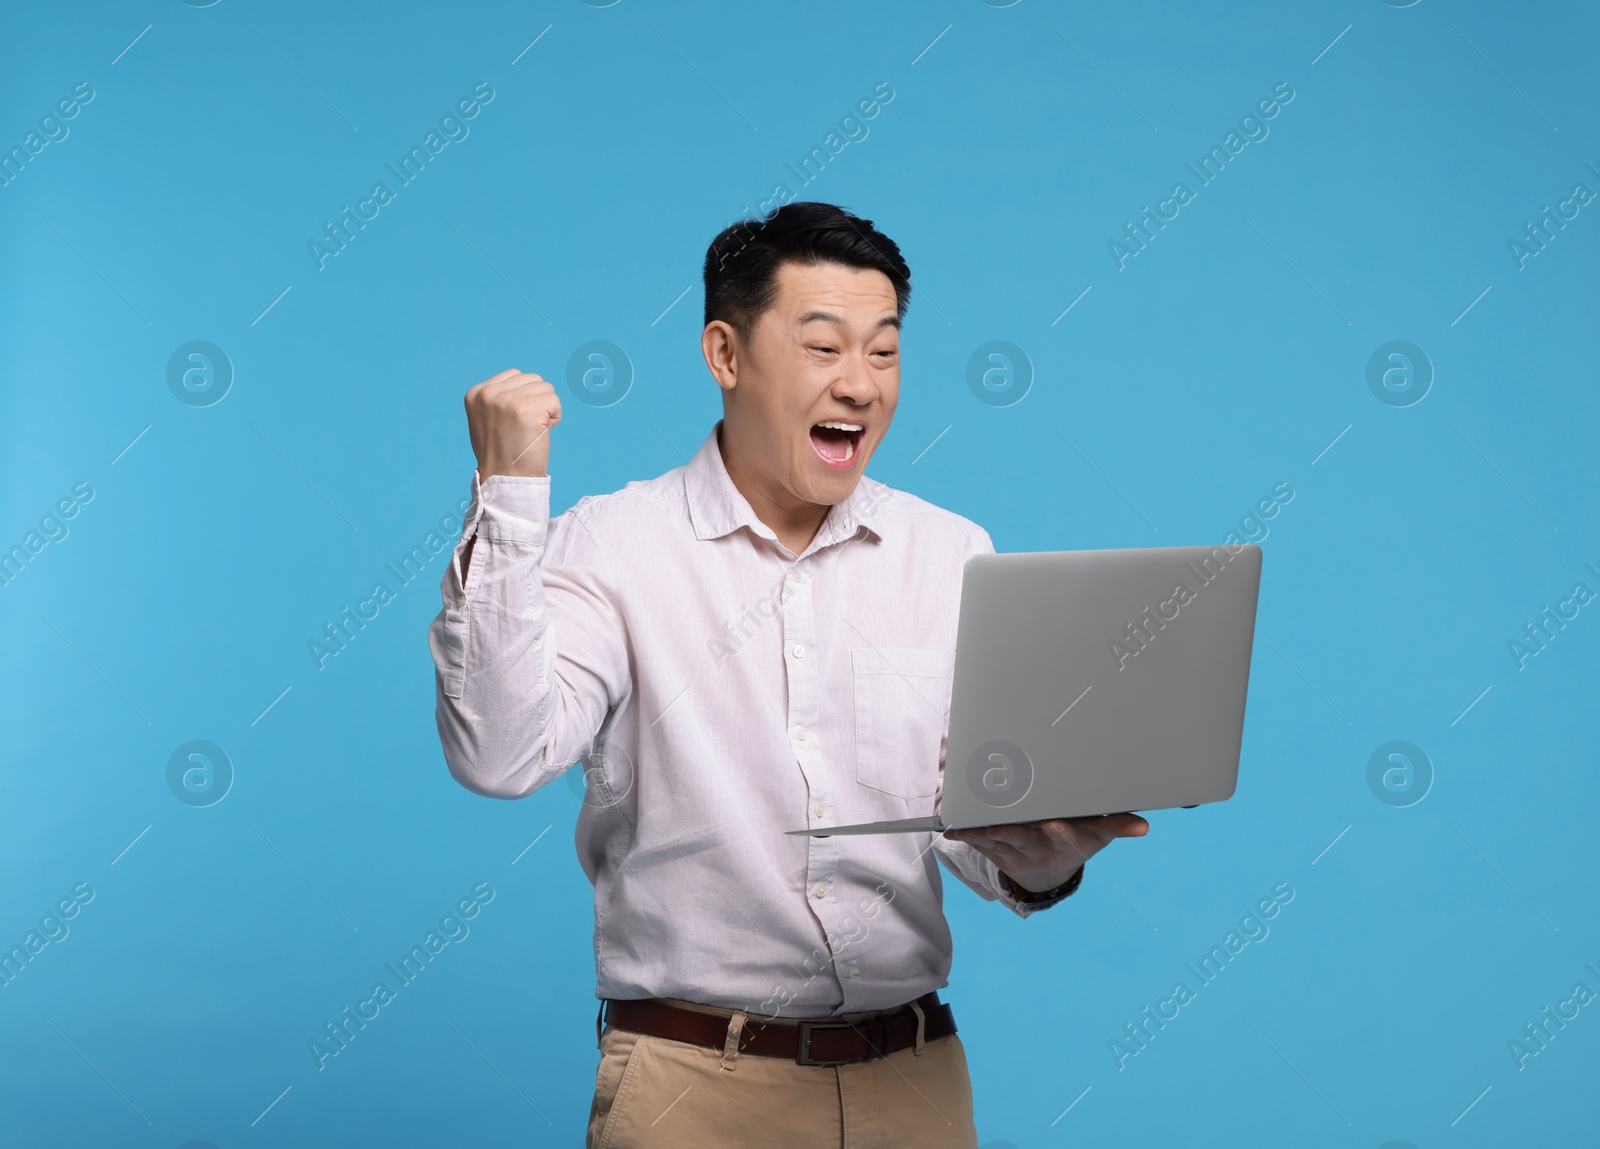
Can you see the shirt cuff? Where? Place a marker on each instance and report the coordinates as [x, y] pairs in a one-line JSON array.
[[993, 879], [509, 508]]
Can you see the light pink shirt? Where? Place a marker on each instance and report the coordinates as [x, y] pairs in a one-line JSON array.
[[722, 690]]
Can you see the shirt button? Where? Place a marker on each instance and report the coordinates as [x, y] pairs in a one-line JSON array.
[[820, 890], [847, 971], [800, 733], [799, 652], [821, 809], [794, 574]]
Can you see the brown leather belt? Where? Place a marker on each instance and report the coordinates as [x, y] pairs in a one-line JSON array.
[[820, 1041]]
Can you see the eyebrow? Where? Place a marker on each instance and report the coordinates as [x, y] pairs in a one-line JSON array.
[[830, 317]]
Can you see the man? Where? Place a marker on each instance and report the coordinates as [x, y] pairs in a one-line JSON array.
[[758, 641]]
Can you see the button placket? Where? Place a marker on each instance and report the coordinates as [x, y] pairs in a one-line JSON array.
[[808, 738]]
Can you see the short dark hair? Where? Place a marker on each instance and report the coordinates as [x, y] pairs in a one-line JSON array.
[[742, 262]]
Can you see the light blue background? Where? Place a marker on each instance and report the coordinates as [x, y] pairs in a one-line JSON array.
[[1221, 361]]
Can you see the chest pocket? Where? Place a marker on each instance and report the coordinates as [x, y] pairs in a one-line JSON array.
[[902, 700]]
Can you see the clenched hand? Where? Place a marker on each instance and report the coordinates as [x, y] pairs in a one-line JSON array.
[[509, 417]]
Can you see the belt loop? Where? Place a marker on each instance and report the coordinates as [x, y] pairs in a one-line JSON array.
[[730, 1046], [599, 1023], [922, 1022]]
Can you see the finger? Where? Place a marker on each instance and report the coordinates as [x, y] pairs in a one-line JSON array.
[[977, 838], [1016, 843], [500, 384], [1125, 825], [1108, 826], [497, 377], [531, 406], [533, 400], [1027, 841], [1044, 842], [1001, 855], [523, 382], [1060, 834]]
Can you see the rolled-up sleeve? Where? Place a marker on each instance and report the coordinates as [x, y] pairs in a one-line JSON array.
[[529, 650]]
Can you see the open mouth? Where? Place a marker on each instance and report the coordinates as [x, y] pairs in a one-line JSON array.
[[835, 442]]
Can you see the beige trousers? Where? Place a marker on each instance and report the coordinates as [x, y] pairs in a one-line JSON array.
[[653, 1091]]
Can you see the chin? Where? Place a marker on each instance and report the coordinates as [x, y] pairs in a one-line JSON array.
[[827, 486]]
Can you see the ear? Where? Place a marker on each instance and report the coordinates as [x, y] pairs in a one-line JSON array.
[[721, 346]]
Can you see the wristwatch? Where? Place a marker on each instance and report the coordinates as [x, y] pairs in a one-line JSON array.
[[1044, 897]]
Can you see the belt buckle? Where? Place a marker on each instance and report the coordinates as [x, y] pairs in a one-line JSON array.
[[803, 1054]]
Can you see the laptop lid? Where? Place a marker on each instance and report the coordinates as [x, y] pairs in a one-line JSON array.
[[1093, 682]]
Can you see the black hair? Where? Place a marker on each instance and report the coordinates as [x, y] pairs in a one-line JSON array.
[[742, 263]]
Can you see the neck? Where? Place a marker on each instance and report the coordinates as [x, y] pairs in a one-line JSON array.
[[793, 520]]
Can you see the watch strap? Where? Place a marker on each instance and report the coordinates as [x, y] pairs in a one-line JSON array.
[[1036, 900]]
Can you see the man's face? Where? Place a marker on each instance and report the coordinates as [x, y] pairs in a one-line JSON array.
[[817, 381]]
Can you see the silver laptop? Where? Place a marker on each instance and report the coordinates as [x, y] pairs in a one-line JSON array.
[[1094, 682]]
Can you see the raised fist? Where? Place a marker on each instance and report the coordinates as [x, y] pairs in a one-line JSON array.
[[509, 417]]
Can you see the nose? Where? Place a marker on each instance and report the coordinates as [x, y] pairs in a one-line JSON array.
[[855, 384]]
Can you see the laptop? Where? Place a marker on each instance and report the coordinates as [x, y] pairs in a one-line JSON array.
[[1094, 682]]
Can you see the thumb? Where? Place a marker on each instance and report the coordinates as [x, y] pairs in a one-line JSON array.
[[1126, 825]]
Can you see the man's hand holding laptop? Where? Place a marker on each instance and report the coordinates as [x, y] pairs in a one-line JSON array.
[[1040, 856]]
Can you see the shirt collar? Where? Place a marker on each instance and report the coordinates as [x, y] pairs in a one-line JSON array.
[[717, 508]]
